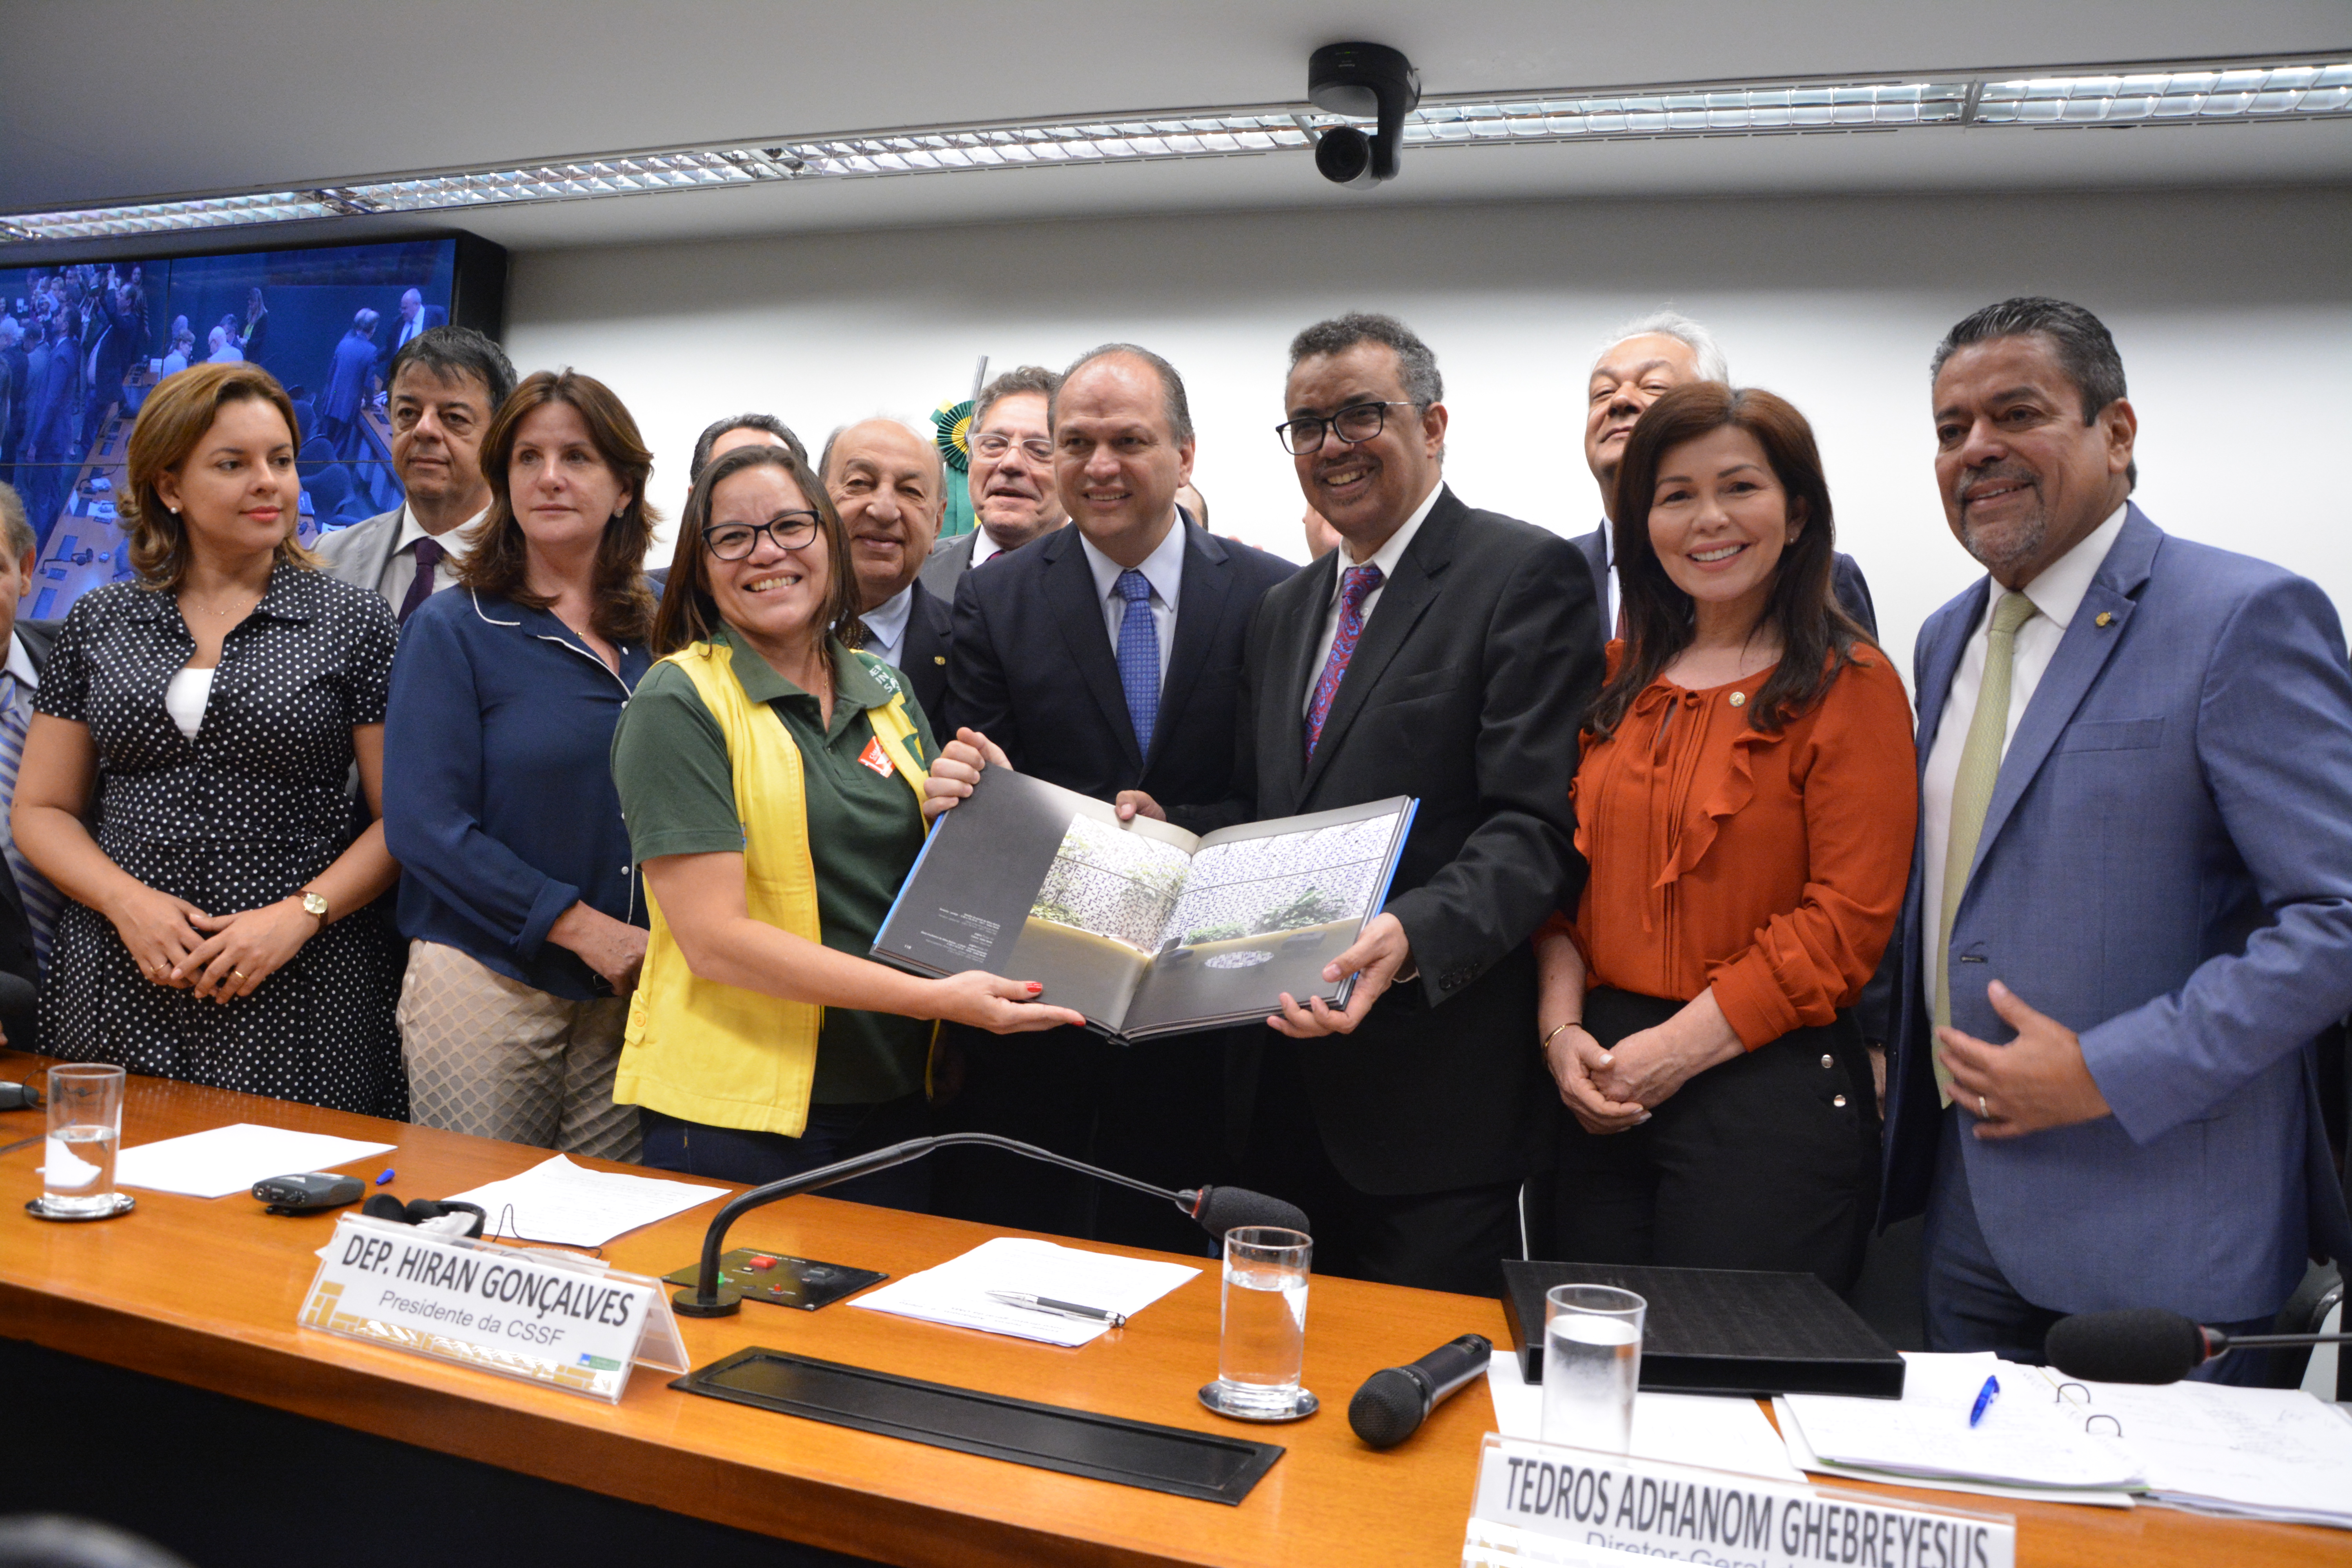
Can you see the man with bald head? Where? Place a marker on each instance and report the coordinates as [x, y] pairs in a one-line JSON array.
[[889, 487], [1645, 359], [1105, 657]]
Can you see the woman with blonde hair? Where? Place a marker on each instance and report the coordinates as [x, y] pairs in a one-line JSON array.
[[183, 778]]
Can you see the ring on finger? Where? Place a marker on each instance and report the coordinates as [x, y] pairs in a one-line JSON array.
[[1983, 1109]]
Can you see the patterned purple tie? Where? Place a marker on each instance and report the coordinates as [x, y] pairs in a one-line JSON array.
[[1354, 589], [420, 587]]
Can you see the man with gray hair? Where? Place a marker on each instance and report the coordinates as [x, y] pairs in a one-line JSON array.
[[1104, 657], [888, 485], [1642, 362], [1011, 477]]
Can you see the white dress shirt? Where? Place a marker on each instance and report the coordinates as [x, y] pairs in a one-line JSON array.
[[20, 664], [983, 547], [26, 682], [1386, 558], [2056, 595], [1609, 600], [886, 627], [1163, 569], [400, 567]]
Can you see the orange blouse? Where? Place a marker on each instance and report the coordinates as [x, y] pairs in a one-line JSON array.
[[1767, 864]]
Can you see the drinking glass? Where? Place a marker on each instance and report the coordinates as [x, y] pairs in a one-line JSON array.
[[1262, 1346], [1593, 1363], [85, 1132]]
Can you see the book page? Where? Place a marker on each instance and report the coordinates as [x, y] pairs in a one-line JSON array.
[[1263, 909]]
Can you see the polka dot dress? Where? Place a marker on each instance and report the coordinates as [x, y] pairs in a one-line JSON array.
[[242, 815]]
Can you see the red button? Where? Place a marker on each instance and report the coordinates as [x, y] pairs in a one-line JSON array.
[[759, 1261]]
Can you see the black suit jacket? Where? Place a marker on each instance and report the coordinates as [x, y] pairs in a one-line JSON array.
[[1846, 582], [923, 655], [1033, 670], [15, 932], [1465, 693]]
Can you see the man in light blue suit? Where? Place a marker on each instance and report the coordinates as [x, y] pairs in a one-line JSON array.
[[2131, 906]]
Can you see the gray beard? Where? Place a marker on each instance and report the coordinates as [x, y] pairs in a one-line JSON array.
[[1998, 550]]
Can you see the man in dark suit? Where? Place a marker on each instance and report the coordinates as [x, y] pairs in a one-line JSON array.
[[1104, 657], [1446, 654], [29, 904], [416, 319], [888, 483], [1649, 357]]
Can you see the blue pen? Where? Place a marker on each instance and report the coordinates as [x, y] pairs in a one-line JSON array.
[[1984, 1400]]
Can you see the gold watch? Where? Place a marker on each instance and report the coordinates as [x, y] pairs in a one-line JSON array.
[[314, 904]]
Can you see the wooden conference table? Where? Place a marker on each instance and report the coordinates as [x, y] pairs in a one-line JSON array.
[[204, 1294]]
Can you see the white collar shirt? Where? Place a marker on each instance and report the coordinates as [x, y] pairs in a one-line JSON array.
[[20, 665], [1163, 569], [983, 548], [1609, 600], [1386, 557], [886, 627], [2056, 595], [400, 567]]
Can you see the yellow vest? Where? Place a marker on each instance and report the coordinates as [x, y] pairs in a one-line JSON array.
[[720, 1055]]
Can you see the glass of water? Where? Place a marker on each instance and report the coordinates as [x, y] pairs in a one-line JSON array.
[[1263, 1348], [85, 1132], [1593, 1363]]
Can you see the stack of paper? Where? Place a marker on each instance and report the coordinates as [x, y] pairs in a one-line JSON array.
[[2027, 1445], [557, 1201], [1719, 1434], [956, 1292], [2252, 1453], [223, 1160]]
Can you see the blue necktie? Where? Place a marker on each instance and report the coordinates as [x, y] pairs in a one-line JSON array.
[[42, 900], [1138, 657]]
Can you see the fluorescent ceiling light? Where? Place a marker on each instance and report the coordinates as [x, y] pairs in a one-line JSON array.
[[2184, 94]]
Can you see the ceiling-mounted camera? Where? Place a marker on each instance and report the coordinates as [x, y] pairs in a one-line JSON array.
[[1363, 82]]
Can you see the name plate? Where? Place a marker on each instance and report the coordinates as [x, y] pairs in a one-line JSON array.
[[1542, 1503], [555, 1318]]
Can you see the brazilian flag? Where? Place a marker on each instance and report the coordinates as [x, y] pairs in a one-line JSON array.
[[953, 423]]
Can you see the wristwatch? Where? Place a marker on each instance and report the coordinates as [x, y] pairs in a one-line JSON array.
[[314, 904]]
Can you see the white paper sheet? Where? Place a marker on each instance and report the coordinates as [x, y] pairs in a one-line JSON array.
[[2024, 1438], [558, 1201], [1806, 1460], [956, 1292], [2258, 1452], [1721, 1434], [223, 1160]]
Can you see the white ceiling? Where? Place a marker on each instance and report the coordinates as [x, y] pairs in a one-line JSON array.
[[104, 100]]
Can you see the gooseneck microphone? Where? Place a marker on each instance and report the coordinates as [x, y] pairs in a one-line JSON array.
[[1396, 1400], [1218, 1209], [2147, 1344]]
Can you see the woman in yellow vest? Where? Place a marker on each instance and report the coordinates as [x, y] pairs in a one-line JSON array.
[[772, 781]]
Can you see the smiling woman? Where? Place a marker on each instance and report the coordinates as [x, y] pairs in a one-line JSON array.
[[206, 716], [771, 777]]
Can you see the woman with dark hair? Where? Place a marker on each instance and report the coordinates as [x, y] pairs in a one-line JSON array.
[[204, 718], [1746, 802], [524, 930], [773, 780]]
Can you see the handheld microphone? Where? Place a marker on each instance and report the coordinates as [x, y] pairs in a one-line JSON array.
[[2147, 1344], [1395, 1401]]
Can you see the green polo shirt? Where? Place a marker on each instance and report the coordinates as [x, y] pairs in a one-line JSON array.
[[677, 791]]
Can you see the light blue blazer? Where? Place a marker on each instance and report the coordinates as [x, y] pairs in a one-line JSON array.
[[2165, 868]]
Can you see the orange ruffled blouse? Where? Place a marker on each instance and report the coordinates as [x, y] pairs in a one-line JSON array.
[[1770, 865]]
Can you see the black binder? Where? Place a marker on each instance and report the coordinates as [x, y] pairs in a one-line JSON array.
[[1721, 1330]]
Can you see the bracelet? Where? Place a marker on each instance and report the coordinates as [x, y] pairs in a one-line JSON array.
[[1546, 1042]]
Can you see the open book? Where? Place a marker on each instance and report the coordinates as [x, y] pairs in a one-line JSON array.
[[1143, 927]]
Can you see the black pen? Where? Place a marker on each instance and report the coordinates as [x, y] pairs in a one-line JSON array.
[[1059, 1309]]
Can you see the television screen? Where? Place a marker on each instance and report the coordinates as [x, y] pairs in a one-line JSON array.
[[82, 346]]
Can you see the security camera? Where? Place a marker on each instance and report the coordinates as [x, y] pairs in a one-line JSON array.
[[1363, 81]]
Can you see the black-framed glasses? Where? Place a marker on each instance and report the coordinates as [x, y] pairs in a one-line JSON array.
[[994, 445], [1356, 421], [734, 541]]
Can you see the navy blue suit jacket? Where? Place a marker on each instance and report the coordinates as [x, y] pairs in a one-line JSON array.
[[1032, 669], [2165, 868]]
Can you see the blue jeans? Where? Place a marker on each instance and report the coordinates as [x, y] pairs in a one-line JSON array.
[[834, 1132], [1972, 1307]]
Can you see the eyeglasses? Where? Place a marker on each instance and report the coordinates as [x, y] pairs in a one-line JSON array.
[[734, 541], [1356, 423], [993, 446]]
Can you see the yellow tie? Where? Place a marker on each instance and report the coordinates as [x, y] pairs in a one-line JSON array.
[[1971, 794]]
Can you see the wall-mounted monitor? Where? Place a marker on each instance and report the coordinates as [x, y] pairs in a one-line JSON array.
[[83, 344]]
